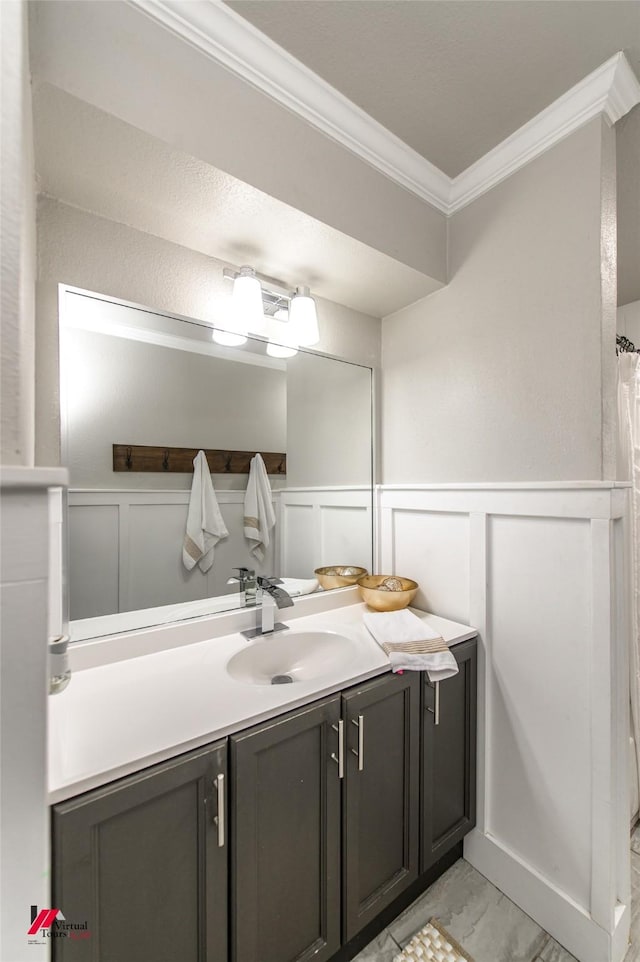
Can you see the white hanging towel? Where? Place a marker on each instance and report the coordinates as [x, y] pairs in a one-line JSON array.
[[205, 526], [259, 516], [410, 644]]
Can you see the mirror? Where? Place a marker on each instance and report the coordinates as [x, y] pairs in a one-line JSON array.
[[132, 376]]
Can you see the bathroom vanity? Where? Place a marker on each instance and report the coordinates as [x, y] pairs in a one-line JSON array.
[[299, 836]]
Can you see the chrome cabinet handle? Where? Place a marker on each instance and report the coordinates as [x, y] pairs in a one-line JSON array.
[[435, 711], [339, 758], [219, 818], [360, 752]]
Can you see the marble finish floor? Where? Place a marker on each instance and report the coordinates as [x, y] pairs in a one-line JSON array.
[[486, 923]]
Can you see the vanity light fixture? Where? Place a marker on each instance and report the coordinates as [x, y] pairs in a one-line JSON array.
[[282, 337], [245, 312], [260, 306], [247, 300], [304, 317]]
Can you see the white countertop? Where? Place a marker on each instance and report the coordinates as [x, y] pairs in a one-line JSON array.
[[117, 718]]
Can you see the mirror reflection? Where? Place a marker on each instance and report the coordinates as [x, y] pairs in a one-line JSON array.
[[158, 387]]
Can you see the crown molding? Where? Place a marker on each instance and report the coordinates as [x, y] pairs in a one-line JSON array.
[[230, 40], [612, 89], [227, 38]]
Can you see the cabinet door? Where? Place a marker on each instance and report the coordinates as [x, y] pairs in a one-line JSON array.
[[285, 840], [449, 757], [144, 862], [380, 811]]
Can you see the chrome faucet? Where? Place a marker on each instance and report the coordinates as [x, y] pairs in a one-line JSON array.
[[246, 581], [271, 597]]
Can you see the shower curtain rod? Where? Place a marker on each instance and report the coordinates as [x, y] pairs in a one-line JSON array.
[[624, 345]]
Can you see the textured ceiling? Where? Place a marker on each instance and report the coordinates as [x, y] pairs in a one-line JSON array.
[[451, 79]]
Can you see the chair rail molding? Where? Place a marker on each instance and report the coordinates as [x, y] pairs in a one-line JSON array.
[[227, 38]]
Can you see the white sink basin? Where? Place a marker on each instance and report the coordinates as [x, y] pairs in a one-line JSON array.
[[292, 656]]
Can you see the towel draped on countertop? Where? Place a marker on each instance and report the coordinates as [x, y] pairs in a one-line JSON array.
[[410, 644], [259, 516], [299, 586], [205, 526]]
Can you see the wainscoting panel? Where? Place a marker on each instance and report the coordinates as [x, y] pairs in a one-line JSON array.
[[539, 569], [297, 539], [126, 546], [345, 534], [155, 569], [325, 526], [539, 620], [93, 559], [433, 549], [125, 550]]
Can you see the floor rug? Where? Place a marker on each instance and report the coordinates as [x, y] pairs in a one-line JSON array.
[[433, 944]]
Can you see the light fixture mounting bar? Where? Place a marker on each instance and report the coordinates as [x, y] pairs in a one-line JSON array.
[[275, 296]]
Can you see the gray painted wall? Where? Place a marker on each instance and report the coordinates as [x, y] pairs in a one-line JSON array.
[[18, 251], [497, 377], [329, 425], [126, 392], [79, 249]]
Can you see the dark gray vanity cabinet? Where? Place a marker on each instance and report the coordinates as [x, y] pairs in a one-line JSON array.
[[381, 795], [347, 766], [448, 797], [285, 837], [144, 862], [340, 813]]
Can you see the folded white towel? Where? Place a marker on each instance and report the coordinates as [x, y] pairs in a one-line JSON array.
[[299, 586], [259, 516], [205, 526], [410, 644]]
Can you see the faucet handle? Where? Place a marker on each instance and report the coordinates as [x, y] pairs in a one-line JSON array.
[[266, 582]]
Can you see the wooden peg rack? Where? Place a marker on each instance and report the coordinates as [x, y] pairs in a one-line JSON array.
[[145, 457]]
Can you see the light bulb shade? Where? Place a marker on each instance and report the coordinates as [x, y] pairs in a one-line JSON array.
[[304, 318], [279, 350], [247, 311], [227, 339], [282, 336]]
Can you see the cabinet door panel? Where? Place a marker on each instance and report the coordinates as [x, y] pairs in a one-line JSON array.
[[381, 795], [449, 758], [286, 838], [139, 860]]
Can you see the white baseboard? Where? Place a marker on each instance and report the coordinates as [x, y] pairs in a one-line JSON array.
[[551, 908]]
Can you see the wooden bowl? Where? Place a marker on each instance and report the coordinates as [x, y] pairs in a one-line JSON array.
[[387, 592], [338, 576]]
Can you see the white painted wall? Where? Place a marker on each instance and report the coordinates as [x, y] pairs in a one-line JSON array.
[[500, 376], [538, 569]]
